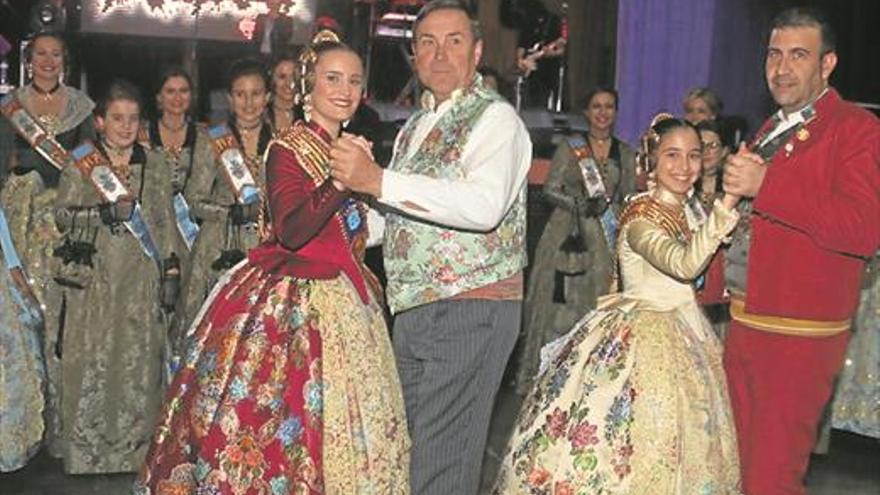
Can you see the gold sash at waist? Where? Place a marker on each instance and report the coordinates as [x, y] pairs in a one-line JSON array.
[[780, 324]]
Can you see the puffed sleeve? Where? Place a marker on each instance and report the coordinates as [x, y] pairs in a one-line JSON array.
[[674, 258], [204, 178], [557, 190], [299, 209]]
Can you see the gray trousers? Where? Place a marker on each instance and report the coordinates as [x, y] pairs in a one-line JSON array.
[[451, 357]]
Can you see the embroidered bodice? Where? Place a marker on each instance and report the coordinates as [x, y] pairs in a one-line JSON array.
[[660, 255], [314, 230]]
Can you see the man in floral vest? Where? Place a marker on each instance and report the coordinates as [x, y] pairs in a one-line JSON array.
[[454, 247]]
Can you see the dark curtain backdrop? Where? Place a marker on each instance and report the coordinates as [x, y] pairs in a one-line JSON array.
[[663, 49]]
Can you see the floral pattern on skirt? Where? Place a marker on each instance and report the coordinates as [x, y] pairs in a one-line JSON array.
[[288, 386], [635, 402]]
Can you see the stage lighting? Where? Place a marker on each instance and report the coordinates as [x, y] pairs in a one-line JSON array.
[[47, 15]]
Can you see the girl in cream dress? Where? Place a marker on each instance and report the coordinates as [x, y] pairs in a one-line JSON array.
[[634, 400]]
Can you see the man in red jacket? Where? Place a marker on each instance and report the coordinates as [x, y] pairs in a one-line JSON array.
[[794, 266]]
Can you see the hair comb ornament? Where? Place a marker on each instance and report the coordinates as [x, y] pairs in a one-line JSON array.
[[309, 55], [649, 141]]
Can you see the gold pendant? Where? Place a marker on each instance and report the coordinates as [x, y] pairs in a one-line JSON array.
[[51, 123], [803, 134]]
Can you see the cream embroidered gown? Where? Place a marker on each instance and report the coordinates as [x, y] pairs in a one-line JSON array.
[[634, 400]]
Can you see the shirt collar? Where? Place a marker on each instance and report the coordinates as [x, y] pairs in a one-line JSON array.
[[429, 101], [802, 115]]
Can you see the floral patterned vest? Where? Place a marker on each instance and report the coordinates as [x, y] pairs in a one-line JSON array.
[[426, 262]]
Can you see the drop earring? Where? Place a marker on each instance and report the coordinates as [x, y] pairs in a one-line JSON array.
[[307, 107], [30, 72]]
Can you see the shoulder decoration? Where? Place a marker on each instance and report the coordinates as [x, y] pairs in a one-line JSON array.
[[311, 150], [645, 207]]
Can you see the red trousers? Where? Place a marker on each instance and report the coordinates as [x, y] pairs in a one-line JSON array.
[[779, 385]]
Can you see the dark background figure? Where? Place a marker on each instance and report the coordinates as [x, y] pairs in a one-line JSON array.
[[539, 56], [273, 30]]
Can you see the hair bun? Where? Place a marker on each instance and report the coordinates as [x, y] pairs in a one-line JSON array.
[[660, 117], [309, 55], [325, 35]]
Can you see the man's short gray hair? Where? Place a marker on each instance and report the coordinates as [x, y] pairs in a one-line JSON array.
[[458, 5]]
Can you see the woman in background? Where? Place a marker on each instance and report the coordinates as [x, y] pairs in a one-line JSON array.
[[115, 201], [711, 284], [227, 212], [181, 144], [574, 259], [701, 104], [283, 110], [29, 181]]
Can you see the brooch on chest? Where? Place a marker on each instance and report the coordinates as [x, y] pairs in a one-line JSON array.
[[352, 218]]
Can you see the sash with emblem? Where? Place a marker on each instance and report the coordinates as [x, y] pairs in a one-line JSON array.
[[96, 168], [232, 161], [595, 187], [34, 133], [188, 229]]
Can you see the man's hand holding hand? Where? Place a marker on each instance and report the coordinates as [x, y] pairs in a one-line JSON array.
[[352, 165], [744, 173]]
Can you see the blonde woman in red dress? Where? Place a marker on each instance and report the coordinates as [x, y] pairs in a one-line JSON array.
[[288, 383]]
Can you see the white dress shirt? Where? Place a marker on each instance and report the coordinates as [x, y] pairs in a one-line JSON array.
[[495, 159]]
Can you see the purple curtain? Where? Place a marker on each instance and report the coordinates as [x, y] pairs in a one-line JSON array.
[[663, 49], [666, 47]]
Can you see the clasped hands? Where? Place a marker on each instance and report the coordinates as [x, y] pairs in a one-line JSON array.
[[353, 167], [744, 173]]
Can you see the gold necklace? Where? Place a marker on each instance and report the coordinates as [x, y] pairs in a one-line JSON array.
[[248, 130], [600, 159], [173, 129], [117, 151], [119, 161], [47, 95], [50, 122]]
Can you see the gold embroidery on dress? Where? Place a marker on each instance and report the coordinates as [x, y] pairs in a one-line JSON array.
[[672, 220]]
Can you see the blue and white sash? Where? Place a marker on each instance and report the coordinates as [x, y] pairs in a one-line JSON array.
[[228, 153], [96, 168], [188, 229], [31, 310], [595, 187]]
